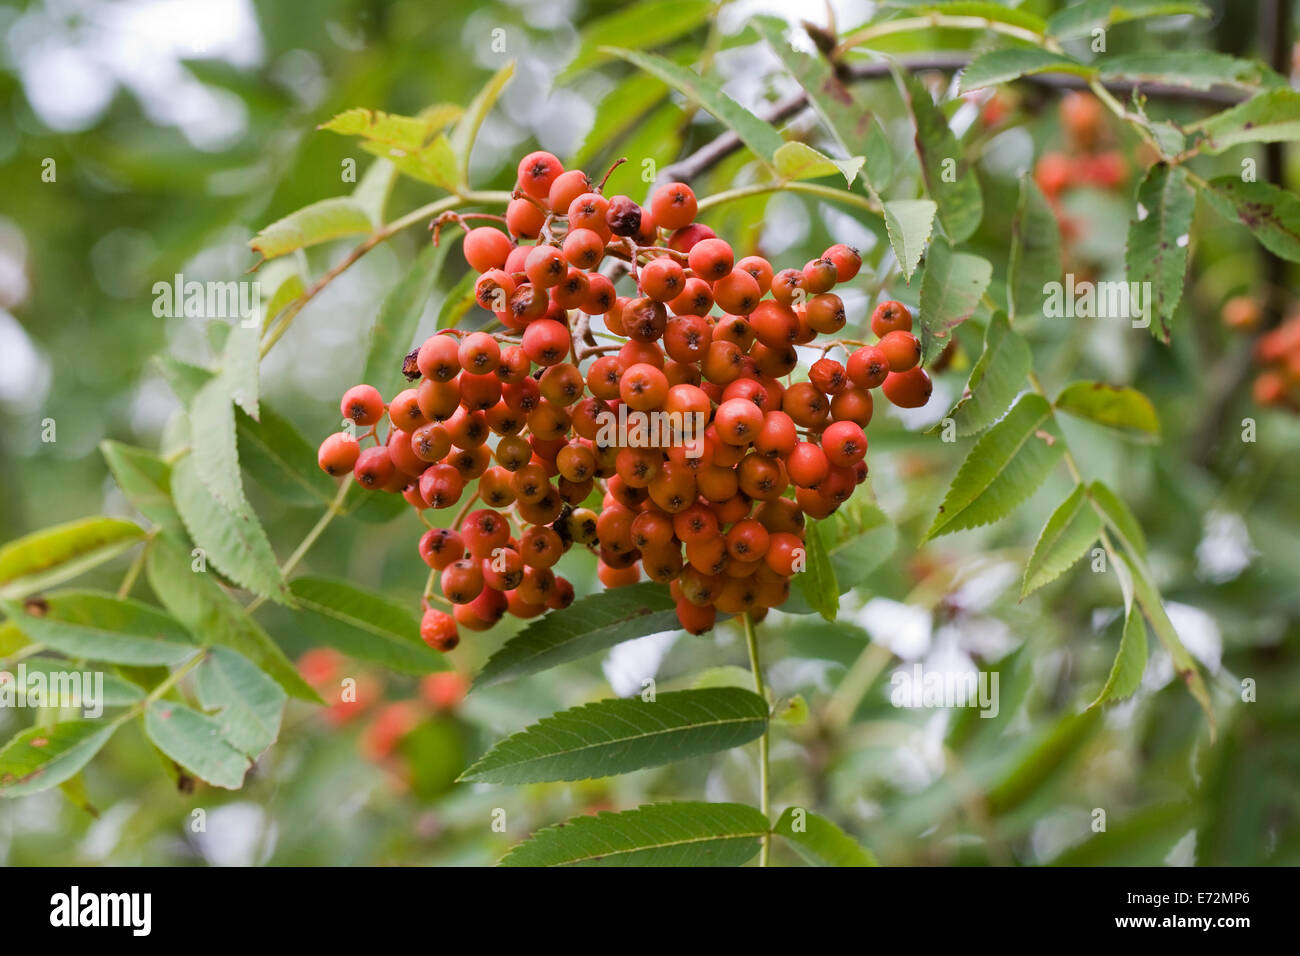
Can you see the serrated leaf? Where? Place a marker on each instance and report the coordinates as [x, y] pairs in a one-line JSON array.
[[322, 221], [1130, 661], [618, 736], [1069, 533], [213, 446], [759, 136], [1269, 117], [819, 841], [1035, 251], [1118, 407], [406, 132], [42, 757], [145, 479], [1118, 515], [952, 285], [1081, 19], [997, 377], [102, 627], [394, 329], [591, 624], [281, 460], [637, 26], [909, 223], [1002, 66], [797, 160], [846, 116], [949, 178], [1271, 214], [1159, 239], [1194, 69], [245, 703], [239, 365], [664, 834], [817, 581], [196, 742], [213, 617], [435, 164], [1148, 596], [466, 129], [232, 539], [52, 555], [1004, 468], [366, 626]]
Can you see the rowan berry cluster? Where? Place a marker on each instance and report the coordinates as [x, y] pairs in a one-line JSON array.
[[706, 338], [1278, 352], [1091, 160]]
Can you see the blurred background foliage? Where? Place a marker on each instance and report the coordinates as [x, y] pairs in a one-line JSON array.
[[178, 129]]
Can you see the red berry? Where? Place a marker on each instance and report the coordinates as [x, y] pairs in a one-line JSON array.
[[338, 453], [889, 317], [537, 172], [902, 350], [910, 389], [362, 404], [486, 248], [673, 206]]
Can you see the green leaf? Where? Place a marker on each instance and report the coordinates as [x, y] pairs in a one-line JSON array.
[[1069, 533], [951, 288], [115, 692], [435, 164], [281, 460], [213, 617], [42, 757], [1035, 251], [196, 742], [1004, 468], [819, 841], [279, 283], [239, 365], [617, 111], [410, 133], [637, 26], [102, 627], [248, 705], [183, 378], [909, 223], [843, 111], [371, 194], [366, 626], [1118, 407], [145, 479], [1081, 19], [1002, 66], [817, 582], [949, 178], [800, 161], [1269, 117], [1158, 240], [662, 834], [393, 331], [466, 129], [1194, 69], [759, 136], [52, 555], [311, 225], [618, 736], [591, 624], [1148, 597], [214, 447], [457, 303], [997, 377], [983, 9], [1270, 213], [232, 539], [1130, 661], [1118, 515], [860, 537]]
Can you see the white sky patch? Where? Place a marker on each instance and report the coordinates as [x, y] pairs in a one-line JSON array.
[[900, 628], [1225, 550], [630, 663]]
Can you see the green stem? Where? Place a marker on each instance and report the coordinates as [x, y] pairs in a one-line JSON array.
[[317, 530], [857, 681], [30, 650], [811, 189], [933, 20], [133, 572], [764, 794]]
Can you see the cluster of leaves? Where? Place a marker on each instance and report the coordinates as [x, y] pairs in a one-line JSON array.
[[204, 544]]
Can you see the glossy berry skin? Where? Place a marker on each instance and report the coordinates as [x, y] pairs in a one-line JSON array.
[[673, 206], [902, 350], [373, 468], [891, 316], [362, 404], [711, 259], [845, 444], [910, 389], [439, 547], [808, 465], [439, 358], [338, 454], [868, 366], [537, 171], [847, 261], [486, 248]]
